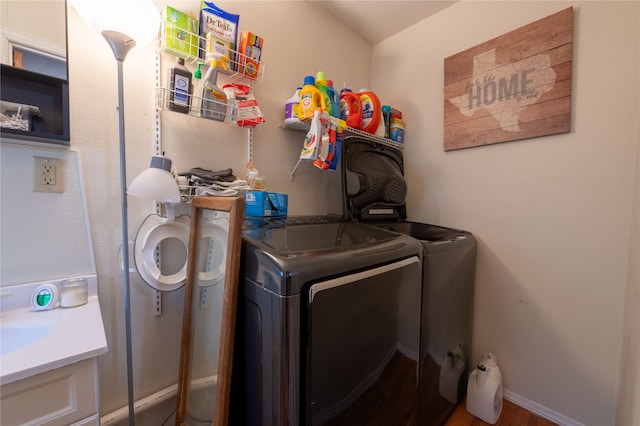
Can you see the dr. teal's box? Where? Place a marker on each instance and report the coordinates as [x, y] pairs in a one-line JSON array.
[[266, 204], [219, 30], [181, 33]]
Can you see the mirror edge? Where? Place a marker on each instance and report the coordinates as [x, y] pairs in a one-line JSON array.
[[235, 207]]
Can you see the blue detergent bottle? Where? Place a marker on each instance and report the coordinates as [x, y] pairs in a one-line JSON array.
[[334, 98]]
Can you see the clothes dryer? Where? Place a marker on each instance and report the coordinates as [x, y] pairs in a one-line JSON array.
[[374, 192], [328, 325]]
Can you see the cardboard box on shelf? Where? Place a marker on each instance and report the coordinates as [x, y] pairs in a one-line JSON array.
[[250, 52], [181, 33], [266, 204]]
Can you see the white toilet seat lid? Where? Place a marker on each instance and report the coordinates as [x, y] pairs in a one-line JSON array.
[[152, 232]]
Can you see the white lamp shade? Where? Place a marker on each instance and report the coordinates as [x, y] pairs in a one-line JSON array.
[[155, 184], [138, 19]]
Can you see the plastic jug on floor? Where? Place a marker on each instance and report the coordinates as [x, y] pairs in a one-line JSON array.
[[484, 390], [453, 375]]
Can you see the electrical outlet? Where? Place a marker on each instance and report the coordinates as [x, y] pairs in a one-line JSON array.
[[48, 174]]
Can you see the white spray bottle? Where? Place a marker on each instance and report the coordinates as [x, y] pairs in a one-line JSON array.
[[214, 100]]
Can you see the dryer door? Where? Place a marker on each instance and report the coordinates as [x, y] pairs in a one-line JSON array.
[[362, 347]]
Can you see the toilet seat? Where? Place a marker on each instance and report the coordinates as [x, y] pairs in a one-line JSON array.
[[152, 232]]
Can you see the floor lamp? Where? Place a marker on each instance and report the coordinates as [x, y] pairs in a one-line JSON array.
[[124, 24]]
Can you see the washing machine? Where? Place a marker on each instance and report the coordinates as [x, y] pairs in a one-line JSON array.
[[374, 192], [328, 324]]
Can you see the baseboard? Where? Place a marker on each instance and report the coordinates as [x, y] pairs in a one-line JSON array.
[[540, 410]]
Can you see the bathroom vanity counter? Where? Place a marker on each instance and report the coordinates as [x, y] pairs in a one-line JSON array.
[[34, 342]]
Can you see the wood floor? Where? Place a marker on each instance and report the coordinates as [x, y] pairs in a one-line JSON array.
[[512, 415], [383, 405], [391, 402]]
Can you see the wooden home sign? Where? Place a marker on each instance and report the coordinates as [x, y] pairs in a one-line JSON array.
[[514, 87]]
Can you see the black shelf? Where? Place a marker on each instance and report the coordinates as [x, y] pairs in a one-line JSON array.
[[49, 94]]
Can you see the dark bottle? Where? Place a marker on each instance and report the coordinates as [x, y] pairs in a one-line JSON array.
[[179, 87]]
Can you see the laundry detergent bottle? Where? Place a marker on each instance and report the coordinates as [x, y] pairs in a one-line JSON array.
[[291, 108], [342, 102], [350, 107], [321, 84], [311, 99], [371, 111], [484, 390], [453, 375], [331, 96], [334, 98]]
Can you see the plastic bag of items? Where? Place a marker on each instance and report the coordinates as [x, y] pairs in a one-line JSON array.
[[19, 116]]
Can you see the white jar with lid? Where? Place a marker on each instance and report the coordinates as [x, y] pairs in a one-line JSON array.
[[73, 292]]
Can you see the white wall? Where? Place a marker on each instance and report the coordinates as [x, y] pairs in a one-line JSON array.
[[19, 16], [50, 227], [629, 402], [552, 215], [292, 50]]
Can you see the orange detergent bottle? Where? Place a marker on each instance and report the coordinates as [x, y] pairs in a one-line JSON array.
[[371, 111], [351, 104]]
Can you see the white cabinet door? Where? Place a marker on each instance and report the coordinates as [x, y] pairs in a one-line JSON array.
[[55, 398]]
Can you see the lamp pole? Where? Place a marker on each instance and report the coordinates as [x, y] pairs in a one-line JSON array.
[[121, 45]]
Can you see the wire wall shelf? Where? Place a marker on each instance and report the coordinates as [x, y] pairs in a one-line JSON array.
[[212, 109], [304, 126], [193, 48]]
